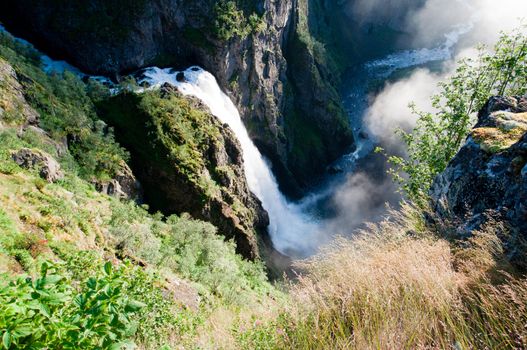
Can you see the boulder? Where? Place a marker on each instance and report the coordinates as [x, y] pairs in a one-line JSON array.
[[124, 185], [49, 168], [488, 177]]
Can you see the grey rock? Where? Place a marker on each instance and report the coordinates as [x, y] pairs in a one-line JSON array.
[[49, 168], [479, 184], [124, 185], [13, 105], [102, 36]]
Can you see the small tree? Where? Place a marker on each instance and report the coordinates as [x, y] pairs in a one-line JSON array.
[[437, 137]]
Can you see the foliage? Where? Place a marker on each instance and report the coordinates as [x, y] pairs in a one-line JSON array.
[[66, 110], [231, 20], [196, 252], [438, 136], [48, 311], [402, 291]]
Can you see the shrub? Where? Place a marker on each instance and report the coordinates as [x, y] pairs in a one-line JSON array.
[[232, 19], [66, 110], [438, 136], [48, 311]]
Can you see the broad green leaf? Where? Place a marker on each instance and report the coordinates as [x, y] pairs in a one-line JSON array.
[[6, 340], [134, 305], [22, 331], [44, 309], [108, 268]]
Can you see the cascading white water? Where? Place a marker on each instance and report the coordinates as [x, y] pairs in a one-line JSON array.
[[292, 232]]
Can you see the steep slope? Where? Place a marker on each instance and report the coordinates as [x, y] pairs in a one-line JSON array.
[[70, 249], [187, 161], [289, 105]]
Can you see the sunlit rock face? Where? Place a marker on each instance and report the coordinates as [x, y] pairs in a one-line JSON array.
[[488, 177]]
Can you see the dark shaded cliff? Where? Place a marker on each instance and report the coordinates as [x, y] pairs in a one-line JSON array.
[[261, 51]]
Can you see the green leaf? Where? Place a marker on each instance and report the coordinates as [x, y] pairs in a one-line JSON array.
[[108, 268], [134, 306], [92, 283], [22, 331], [124, 344], [52, 279], [44, 309], [6, 340]]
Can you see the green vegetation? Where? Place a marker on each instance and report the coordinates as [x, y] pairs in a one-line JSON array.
[[310, 124], [49, 312], [79, 269], [438, 136], [402, 292], [236, 18], [66, 112]]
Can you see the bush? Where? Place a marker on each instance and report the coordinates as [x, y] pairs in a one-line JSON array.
[[232, 19], [438, 136], [66, 110], [49, 312]]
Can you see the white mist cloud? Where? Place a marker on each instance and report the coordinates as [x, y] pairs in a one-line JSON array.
[[390, 111], [429, 26], [359, 200], [393, 12]]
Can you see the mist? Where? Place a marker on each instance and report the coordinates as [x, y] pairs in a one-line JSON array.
[[365, 195]]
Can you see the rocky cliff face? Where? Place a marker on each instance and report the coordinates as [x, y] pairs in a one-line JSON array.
[[187, 162], [488, 177], [278, 81]]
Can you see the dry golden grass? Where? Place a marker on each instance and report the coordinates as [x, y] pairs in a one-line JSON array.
[[397, 285]]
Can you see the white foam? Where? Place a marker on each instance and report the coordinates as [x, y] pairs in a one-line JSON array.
[[410, 58]]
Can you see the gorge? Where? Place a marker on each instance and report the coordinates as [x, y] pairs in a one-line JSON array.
[[263, 174]]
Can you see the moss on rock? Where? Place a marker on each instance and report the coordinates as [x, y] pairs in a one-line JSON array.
[[187, 161]]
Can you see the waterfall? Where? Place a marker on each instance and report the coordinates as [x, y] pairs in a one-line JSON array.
[[292, 232]]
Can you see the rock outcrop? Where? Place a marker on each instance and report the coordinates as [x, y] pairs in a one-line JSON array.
[[48, 168], [285, 94], [14, 110], [488, 177], [124, 185], [187, 162]]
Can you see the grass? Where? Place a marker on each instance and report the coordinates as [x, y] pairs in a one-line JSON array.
[[400, 284], [180, 268], [397, 285]]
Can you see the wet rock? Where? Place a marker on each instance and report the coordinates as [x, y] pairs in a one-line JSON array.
[[180, 77], [49, 168], [335, 169], [364, 135]]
